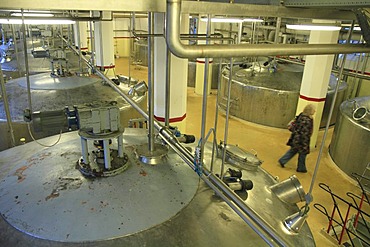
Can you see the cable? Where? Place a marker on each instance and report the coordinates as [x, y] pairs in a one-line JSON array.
[[33, 138]]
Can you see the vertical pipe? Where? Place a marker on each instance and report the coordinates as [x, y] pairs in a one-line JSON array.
[[120, 145], [106, 154], [6, 106], [85, 152], [168, 87], [61, 35], [151, 81], [226, 133], [240, 32], [2, 34], [92, 45], [329, 117], [16, 51], [364, 65], [79, 45], [277, 30], [205, 91], [101, 46], [214, 145], [131, 27], [26, 63]]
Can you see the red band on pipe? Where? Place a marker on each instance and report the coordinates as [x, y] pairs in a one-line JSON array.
[[83, 48], [107, 67], [172, 120], [312, 99], [199, 61]]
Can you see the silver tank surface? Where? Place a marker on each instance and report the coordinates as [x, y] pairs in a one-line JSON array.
[[350, 144], [52, 94], [192, 65], [162, 205], [39, 65], [269, 97]]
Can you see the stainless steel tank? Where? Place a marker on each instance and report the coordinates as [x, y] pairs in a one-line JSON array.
[[161, 205], [39, 64], [192, 65], [52, 94], [350, 143], [141, 53], [259, 92]]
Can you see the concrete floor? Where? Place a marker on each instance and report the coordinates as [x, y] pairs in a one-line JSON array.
[[270, 145]]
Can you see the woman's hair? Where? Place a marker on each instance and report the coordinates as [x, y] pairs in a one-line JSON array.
[[309, 110]]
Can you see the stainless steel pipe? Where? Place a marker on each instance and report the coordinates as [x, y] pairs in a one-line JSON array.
[[240, 50], [261, 228]]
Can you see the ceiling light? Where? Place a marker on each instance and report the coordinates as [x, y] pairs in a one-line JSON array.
[[33, 14], [37, 21], [252, 20], [231, 20], [310, 27]]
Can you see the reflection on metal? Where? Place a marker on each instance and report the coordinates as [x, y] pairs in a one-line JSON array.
[[154, 157], [259, 91], [99, 122], [295, 221], [53, 94], [349, 147], [289, 190], [360, 113], [139, 89], [45, 181], [125, 208], [239, 157], [249, 215]]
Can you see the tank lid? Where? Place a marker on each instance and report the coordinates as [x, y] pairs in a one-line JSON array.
[[44, 81]]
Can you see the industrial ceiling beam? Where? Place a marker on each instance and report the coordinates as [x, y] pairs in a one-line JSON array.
[[192, 7], [332, 3]]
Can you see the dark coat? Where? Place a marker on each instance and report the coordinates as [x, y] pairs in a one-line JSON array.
[[300, 137]]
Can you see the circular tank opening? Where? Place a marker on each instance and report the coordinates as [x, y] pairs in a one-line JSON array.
[[360, 113]]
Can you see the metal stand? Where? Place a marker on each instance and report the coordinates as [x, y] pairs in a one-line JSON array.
[[104, 161]]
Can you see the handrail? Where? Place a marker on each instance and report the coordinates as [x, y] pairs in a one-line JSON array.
[[257, 224]]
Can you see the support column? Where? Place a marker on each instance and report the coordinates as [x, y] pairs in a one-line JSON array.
[[200, 64], [104, 45], [82, 27], [178, 77], [316, 76]]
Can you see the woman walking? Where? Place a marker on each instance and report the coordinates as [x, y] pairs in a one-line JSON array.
[[299, 140]]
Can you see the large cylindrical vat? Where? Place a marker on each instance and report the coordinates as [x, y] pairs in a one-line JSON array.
[[53, 94], [192, 68], [350, 143], [268, 95], [141, 53]]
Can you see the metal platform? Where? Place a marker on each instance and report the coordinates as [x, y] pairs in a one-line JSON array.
[[45, 196], [145, 205]]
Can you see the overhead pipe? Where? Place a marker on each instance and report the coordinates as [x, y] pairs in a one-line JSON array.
[[240, 50], [267, 233]]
